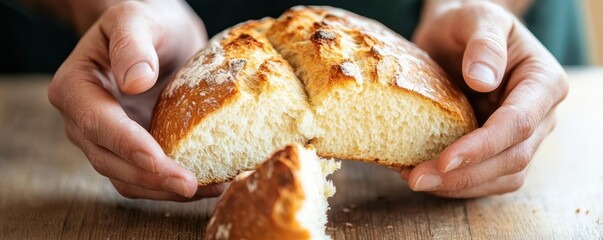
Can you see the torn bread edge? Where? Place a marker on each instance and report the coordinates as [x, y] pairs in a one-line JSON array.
[[284, 198]]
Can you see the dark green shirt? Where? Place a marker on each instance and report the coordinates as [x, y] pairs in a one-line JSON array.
[[33, 43]]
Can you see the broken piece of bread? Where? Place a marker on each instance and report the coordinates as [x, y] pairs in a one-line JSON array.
[[285, 198], [319, 75]]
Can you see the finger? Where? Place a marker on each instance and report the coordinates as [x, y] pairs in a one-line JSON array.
[[110, 165], [69, 127], [98, 118], [405, 172], [427, 177], [501, 185], [102, 121], [485, 56], [137, 192], [515, 121], [132, 33], [77, 89]]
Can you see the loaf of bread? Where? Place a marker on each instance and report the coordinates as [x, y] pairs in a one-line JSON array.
[[285, 198], [320, 75]]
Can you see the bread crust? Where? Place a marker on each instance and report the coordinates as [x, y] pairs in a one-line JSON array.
[[380, 56], [330, 49], [210, 81], [263, 205]]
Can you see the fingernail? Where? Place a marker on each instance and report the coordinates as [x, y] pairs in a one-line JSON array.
[[177, 185], [482, 73], [138, 71], [145, 161], [454, 164], [427, 182]]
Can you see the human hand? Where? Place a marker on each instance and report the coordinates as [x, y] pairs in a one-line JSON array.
[[107, 87], [513, 84]]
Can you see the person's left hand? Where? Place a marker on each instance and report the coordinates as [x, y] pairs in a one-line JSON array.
[[513, 84]]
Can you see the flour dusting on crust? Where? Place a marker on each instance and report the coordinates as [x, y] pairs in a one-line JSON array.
[[351, 70], [407, 59], [207, 65]]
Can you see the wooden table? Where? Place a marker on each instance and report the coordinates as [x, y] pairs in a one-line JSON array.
[[48, 190]]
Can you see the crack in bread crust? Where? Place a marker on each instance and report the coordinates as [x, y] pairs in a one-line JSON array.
[[334, 57]]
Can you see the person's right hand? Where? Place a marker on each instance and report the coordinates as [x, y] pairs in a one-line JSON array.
[[107, 87]]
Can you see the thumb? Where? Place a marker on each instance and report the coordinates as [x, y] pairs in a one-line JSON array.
[[485, 56], [132, 53]]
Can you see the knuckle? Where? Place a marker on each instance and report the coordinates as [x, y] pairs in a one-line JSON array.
[[521, 161], [88, 124], [492, 41], [124, 190], [59, 87], [516, 182], [122, 144], [53, 91], [525, 124], [72, 138], [563, 84], [100, 164], [120, 43], [489, 144], [119, 144], [463, 181], [71, 134], [553, 124]]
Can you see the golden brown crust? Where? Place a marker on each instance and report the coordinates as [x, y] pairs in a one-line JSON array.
[[262, 205], [210, 81], [335, 49], [330, 49]]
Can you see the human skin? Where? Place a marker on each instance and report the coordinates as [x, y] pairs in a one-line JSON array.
[[107, 87], [514, 85]]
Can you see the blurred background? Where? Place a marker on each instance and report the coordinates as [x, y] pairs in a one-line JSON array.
[[33, 41], [594, 19]]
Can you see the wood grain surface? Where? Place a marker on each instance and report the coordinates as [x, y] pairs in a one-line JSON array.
[[48, 190]]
